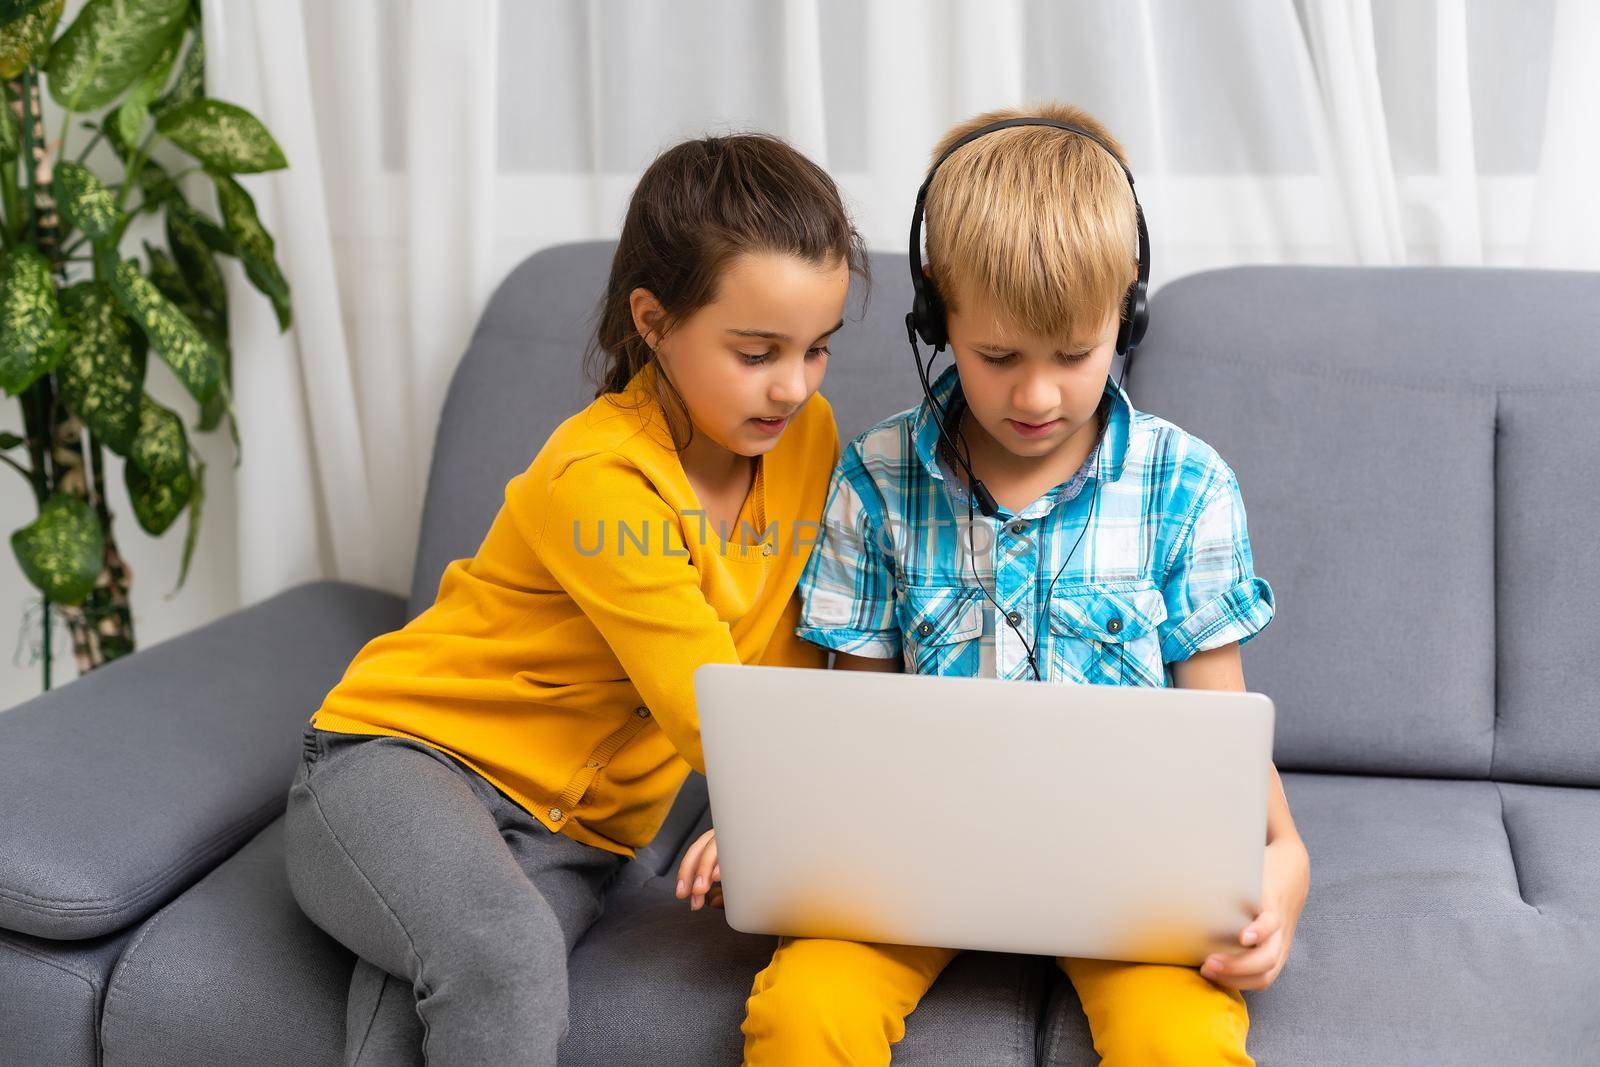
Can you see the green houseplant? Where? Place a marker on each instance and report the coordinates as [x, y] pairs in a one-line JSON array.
[[78, 321]]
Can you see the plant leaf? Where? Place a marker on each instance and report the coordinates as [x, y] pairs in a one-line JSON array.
[[12, 10], [63, 551], [190, 84], [86, 202], [253, 245], [197, 499], [135, 107], [157, 502], [10, 133], [108, 46], [223, 136], [169, 330], [195, 260], [32, 334], [102, 374], [9, 440], [161, 448], [24, 40]]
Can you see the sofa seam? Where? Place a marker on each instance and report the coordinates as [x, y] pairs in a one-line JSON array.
[[97, 990], [1511, 853], [65, 906]]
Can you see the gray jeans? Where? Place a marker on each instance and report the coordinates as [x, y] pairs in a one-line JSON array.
[[462, 907]]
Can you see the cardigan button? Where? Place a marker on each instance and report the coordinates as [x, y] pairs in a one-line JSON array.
[[642, 711], [592, 764], [555, 814]]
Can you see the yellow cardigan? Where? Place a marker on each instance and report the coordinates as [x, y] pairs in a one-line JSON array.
[[557, 661]]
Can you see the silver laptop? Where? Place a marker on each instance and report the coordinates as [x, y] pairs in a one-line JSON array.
[[1112, 822]]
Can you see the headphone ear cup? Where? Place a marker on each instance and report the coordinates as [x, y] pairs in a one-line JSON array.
[[927, 311], [1135, 318]]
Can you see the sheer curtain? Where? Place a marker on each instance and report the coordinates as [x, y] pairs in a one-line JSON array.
[[433, 146]]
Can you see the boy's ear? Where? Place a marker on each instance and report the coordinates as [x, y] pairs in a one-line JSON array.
[[648, 315]]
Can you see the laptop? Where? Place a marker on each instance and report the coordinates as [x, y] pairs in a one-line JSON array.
[[1113, 822]]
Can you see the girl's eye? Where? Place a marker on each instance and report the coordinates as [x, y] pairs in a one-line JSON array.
[[753, 359], [820, 350]]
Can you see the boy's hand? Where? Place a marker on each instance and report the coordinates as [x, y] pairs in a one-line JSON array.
[[700, 874], [1286, 878]]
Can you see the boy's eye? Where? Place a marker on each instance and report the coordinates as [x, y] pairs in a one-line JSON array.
[[1075, 357], [998, 360]]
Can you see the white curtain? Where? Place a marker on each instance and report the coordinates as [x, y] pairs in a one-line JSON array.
[[434, 145]]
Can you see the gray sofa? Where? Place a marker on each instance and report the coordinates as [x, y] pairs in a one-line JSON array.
[[1419, 453]]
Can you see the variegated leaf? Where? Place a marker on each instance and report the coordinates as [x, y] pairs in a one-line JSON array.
[[10, 130], [157, 502], [253, 244], [160, 448], [197, 498], [195, 259], [63, 551], [131, 114], [11, 10], [102, 373], [169, 331], [109, 44], [223, 136], [32, 334], [86, 202], [25, 40], [190, 84]]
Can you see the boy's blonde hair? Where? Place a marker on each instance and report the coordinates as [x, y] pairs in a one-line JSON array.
[[1039, 221]]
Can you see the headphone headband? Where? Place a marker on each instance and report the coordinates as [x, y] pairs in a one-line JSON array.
[[926, 318]]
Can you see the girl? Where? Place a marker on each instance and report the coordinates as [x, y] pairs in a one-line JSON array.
[[475, 780]]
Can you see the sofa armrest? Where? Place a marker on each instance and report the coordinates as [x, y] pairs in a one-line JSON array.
[[121, 788]]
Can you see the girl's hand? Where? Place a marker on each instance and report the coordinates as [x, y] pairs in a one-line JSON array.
[[700, 874], [1286, 878]]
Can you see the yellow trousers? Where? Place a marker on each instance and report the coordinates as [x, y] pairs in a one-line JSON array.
[[845, 1002]]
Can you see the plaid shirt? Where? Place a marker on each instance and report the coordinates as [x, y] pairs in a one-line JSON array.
[[1163, 571]]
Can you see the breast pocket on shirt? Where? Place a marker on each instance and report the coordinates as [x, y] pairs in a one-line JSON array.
[[1107, 636], [941, 629]]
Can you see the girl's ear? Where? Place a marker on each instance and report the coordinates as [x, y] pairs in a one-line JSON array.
[[648, 315]]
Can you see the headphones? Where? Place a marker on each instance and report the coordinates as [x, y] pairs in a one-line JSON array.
[[926, 319]]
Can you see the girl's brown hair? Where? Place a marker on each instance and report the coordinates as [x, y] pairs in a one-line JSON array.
[[698, 205]]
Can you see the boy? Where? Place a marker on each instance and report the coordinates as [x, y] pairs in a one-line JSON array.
[[1117, 553]]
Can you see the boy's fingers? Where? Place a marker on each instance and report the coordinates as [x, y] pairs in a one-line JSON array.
[[1242, 964], [1261, 928]]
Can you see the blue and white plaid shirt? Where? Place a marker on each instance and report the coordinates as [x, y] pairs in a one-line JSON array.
[[1163, 571]]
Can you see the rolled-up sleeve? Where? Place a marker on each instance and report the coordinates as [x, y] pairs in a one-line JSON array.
[[847, 587], [1213, 595]]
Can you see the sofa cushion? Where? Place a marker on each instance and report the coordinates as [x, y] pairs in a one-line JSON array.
[[1406, 441], [122, 788], [230, 972], [50, 997], [656, 983], [1449, 922]]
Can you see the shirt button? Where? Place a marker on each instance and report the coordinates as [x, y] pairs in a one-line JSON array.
[[555, 814], [1114, 625], [924, 629], [642, 711], [1014, 618], [1019, 526]]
